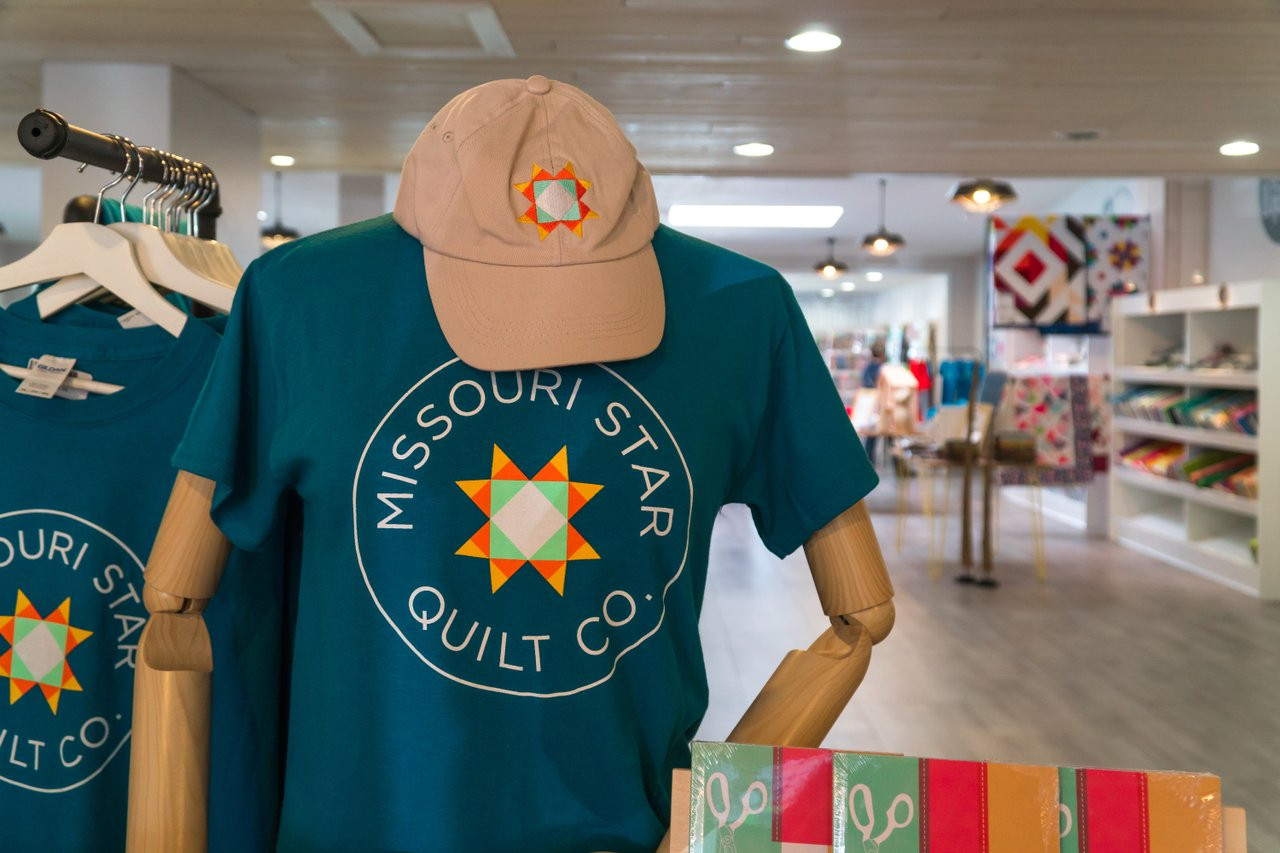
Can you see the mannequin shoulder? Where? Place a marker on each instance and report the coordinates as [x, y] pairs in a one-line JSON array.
[[352, 255], [696, 265]]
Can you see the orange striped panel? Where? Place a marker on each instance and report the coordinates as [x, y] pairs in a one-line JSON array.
[[1186, 813], [1022, 808]]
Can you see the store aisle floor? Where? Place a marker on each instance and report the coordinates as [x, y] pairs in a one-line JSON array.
[[1118, 660]]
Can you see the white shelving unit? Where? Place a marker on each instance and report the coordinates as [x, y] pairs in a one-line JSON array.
[[1206, 531]]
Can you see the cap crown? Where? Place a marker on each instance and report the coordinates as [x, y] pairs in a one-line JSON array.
[[526, 173]]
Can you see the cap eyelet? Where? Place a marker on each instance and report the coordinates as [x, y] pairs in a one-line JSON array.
[[447, 136]]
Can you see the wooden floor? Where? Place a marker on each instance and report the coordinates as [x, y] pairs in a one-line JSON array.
[[1117, 661]]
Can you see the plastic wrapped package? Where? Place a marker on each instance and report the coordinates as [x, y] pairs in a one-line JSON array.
[[759, 799], [894, 804], [1121, 811]]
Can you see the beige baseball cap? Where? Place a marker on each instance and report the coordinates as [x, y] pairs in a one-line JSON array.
[[536, 222]]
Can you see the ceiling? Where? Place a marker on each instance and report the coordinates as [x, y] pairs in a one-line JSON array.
[[916, 207], [919, 86]]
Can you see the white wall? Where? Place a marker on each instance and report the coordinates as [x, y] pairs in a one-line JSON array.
[[1239, 247], [132, 100], [209, 128], [309, 200], [20, 201]]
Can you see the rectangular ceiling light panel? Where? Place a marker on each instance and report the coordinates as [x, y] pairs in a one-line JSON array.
[[754, 215], [397, 30]]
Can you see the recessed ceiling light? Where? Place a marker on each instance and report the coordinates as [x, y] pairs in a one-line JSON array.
[[754, 215], [873, 275], [847, 286], [813, 40], [1239, 148], [753, 149], [282, 160], [827, 293]]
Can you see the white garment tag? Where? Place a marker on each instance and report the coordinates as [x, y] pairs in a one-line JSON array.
[[67, 392], [134, 319], [48, 372]]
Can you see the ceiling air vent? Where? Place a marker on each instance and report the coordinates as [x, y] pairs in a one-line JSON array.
[[397, 30]]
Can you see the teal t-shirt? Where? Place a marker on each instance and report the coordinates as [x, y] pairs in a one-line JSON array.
[[497, 621], [82, 489]]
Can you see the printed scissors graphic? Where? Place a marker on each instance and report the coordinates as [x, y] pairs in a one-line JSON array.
[[867, 826], [723, 811]]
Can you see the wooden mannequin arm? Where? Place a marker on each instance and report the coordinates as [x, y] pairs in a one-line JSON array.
[[802, 699], [169, 754]]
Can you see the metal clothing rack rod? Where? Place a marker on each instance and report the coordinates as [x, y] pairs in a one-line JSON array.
[[47, 135]]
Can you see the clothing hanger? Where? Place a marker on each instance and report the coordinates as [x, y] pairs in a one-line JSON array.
[[104, 258], [203, 270], [104, 255]]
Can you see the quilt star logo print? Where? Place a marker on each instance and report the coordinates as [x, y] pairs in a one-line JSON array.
[[529, 520], [555, 200], [38, 649], [71, 615], [539, 579]]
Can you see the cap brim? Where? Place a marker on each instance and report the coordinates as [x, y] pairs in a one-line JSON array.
[[520, 318]]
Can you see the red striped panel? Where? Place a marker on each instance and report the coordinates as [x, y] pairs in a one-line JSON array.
[[956, 818], [1114, 813], [802, 794]]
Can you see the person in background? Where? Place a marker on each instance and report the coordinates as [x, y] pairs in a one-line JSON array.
[[870, 377]]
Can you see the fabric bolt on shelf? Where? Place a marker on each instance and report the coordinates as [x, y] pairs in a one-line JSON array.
[[909, 805], [1119, 811]]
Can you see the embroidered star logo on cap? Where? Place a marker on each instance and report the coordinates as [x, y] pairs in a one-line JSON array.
[[556, 200], [518, 277]]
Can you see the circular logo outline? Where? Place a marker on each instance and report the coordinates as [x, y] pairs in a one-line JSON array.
[[128, 735], [355, 532]]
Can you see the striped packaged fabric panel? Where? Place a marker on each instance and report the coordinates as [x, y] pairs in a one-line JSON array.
[[910, 805], [1121, 811], [759, 798]]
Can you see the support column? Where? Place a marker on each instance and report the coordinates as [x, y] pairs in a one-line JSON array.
[[163, 107], [360, 197], [1183, 248]]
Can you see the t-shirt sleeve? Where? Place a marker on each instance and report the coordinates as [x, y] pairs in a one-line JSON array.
[[235, 423], [806, 465]]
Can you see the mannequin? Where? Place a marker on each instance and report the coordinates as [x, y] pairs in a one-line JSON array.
[[169, 769]]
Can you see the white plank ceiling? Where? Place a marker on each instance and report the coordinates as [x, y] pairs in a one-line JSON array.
[[919, 86]]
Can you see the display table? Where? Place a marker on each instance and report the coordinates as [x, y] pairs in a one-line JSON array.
[[928, 467]]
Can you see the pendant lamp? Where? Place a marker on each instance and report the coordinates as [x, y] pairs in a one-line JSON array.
[[277, 232], [882, 242], [829, 267], [983, 195]]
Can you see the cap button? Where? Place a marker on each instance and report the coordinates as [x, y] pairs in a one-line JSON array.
[[538, 85]]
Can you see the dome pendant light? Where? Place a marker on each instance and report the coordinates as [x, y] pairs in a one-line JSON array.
[[829, 267], [983, 195], [882, 242]]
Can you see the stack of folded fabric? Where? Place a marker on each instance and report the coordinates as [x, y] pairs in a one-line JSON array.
[[1231, 411], [1152, 456]]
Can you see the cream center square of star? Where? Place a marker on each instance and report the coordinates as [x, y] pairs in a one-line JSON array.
[[555, 199], [528, 520], [40, 651]]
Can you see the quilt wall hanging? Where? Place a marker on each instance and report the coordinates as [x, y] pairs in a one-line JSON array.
[[1057, 273]]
